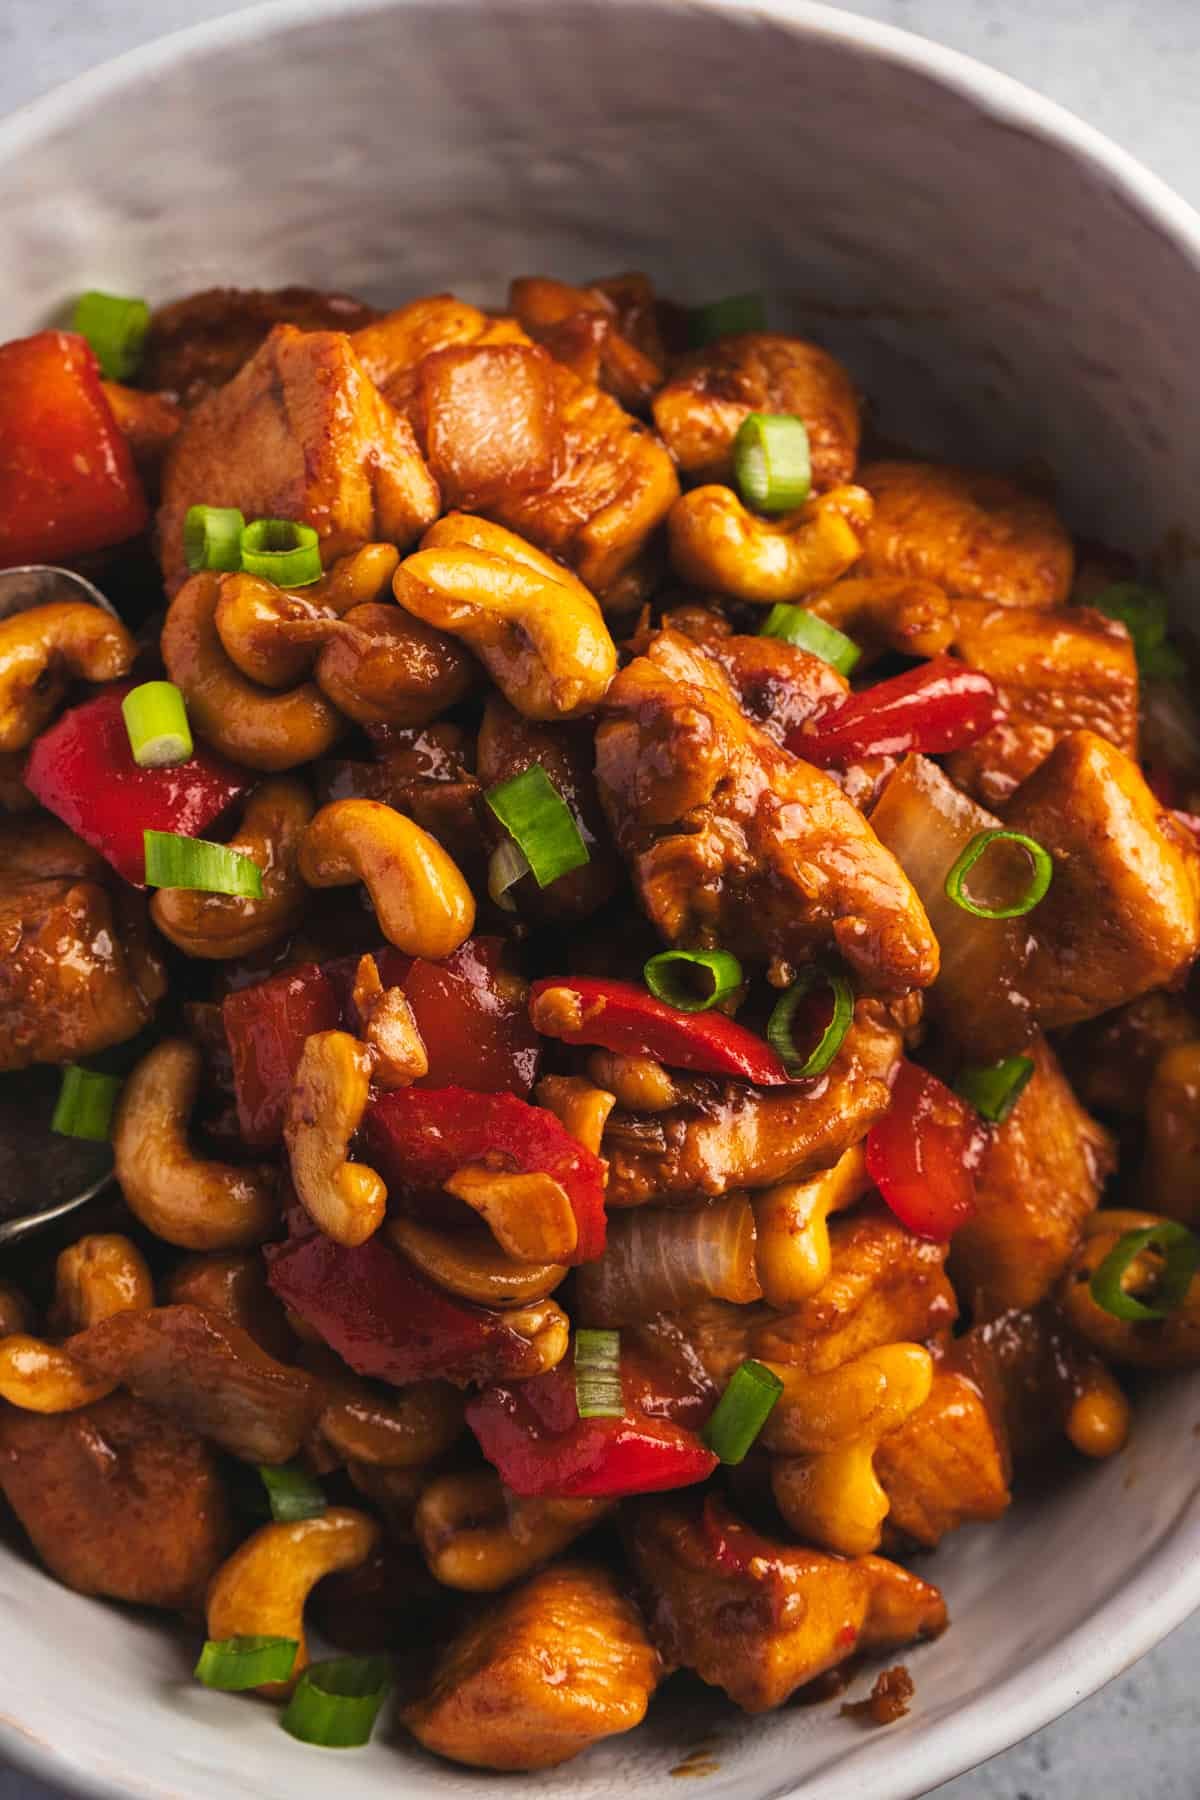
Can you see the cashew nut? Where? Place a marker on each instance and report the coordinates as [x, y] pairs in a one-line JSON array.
[[717, 544], [97, 1277], [472, 1265], [1170, 1343], [534, 626], [325, 1108], [250, 723], [389, 1428], [793, 1255], [382, 666], [235, 1287], [579, 1106], [1098, 1420], [44, 1378], [637, 1083], [44, 648], [262, 1589], [215, 926], [269, 634], [478, 1538], [529, 1215], [546, 1329], [389, 1028], [421, 899], [177, 1195], [16, 1314]]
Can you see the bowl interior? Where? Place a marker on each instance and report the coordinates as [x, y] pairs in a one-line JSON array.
[[1004, 287]]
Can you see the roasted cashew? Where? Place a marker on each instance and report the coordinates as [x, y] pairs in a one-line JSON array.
[[382, 666], [97, 1277], [423, 903], [530, 1216], [578, 1105], [16, 1314], [262, 1589], [1170, 1343], [793, 1254], [390, 1428], [359, 576], [1100, 1416], [250, 723], [472, 1265], [44, 648], [637, 1083], [478, 1538], [717, 544], [270, 635], [183, 1198], [388, 1028], [44, 1378], [546, 1329], [535, 627], [325, 1108], [1172, 1169], [235, 1287]]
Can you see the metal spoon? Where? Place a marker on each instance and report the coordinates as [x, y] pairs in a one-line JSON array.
[[64, 1173]]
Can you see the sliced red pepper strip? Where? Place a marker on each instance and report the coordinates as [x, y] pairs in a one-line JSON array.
[[942, 705], [67, 480], [619, 1016], [266, 1026], [82, 770], [532, 1433], [923, 1154], [385, 1320], [418, 1138]]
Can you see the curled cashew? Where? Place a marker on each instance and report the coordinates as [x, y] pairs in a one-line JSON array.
[[222, 925], [579, 1106], [1169, 1343], [637, 1083], [390, 1428], [16, 1314], [382, 666], [44, 648], [234, 1286], [472, 1265], [44, 1378], [421, 899], [97, 1277], [530, 1216], [1099, 1417], [793, 1255], [270, 635], [359, 576], [546, 1329], [535, 627], [717, 544], [250, 723], [183, 1198], [325, 1108], [262, 1589], [478, 1538], [389, 1028]]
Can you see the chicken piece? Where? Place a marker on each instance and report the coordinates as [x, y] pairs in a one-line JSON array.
[[948, 1464], [199, 343], [558, 1664], [1057, 672], [1123, 911], [888, 612], [207, 1374], [757, 1617], [73, 976], [1171, 1175], [391, 348], [1111, 1060], [1040, 1176], [720, 1136], [424, 772], [299, 433], [779, 686], [584, 328], [972, 533], [711, 391], [117, 1501], [486, 417], [733, 841]]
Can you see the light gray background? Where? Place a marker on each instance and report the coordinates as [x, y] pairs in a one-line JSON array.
[[1132, 67]]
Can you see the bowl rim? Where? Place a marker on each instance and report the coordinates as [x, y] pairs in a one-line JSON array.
[[1165, 1589]]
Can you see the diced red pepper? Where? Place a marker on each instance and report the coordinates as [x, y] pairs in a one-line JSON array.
[[266, 1026], [385, 1320], [942, 705], [67, 480], [532, 1433], [82, 770], [923, 1154], [619, 1016], [418, 1138]]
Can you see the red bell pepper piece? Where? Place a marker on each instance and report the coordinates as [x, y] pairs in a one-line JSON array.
[[923, 1154], [266, 1026], [943, 705], [386, 1321], [67, 480], [418, 1138], [82, 769], [620, 1016], [532, 1433]]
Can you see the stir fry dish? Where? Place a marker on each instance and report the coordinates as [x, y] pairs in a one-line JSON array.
[[634, 947]]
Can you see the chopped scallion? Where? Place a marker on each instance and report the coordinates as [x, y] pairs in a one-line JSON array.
[[116, 328], [506, 865], [781, 1026], [993, 1089], [237, 1663], [282, 551], [742, 1410], [796, 625], [723, 318], [1040, 876], [1180, 1249], [212, 537], [292, 1492], [1143, 612], [536, 816], [156, 719], [771, 462], [692, 980], [184, 862], [85, 1103], [598, 1392], [337, 1702]]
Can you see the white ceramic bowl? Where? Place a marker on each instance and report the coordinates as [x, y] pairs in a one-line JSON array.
[[1004, 282]]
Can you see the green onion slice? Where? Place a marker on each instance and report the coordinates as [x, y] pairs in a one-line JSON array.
[[116, 329], [85, 1103], [738, 312], [771, 462], [212, 537], [742, 1410], [598, 1392], [282, 551], [1040, 876], [506, 865], [1181, 1250], [337, 1702], [1143, 612], [157, 722], [993, 1089], [796, 625], [237, 1663], [677, 976], [183, 862], [534, 813], [781, 1025], [292, 1492]]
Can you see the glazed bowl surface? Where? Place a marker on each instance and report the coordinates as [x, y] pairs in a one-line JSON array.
[[1006, 286]]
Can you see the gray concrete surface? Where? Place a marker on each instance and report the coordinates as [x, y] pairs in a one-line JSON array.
[[1132, 67]]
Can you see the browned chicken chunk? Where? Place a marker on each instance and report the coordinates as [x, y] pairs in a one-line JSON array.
[[1171, 1179], [733, 841], [948, 1464], [199, 343], [1111, 1060], [555, 1666], [888, 612], [117, 1500], [1049, 1384], [778, 685], [392, 347], [585, 329]]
